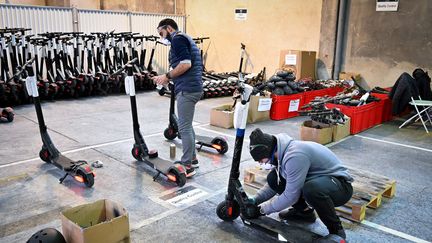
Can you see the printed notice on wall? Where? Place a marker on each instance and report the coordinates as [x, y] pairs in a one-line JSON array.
[[240, 14], [294, 105], [290, 59], [264, 104], [387, 5]]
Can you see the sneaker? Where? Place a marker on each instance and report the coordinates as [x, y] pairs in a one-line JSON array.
[[330, 238], [338, 233], [190, 171], [294, 214], [195, 163]]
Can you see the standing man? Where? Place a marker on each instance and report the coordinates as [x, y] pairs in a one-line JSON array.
[[186, 73], [307, 176]]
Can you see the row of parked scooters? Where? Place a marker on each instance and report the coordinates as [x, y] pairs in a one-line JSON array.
[[72, 64]]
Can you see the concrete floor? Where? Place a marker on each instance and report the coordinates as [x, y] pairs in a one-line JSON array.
[[100, 129]]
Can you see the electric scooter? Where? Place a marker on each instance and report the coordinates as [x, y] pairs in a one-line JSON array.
[[236, 200], [173, 171], [170, 133], [79, 170]]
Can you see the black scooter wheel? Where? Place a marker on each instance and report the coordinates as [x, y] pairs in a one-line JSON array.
[[228, 210], [87, 177], [153, 153], [162, 91], [136, 153], [45, 155], [170, 134], [220, 144], [177, 175], [8, 113]]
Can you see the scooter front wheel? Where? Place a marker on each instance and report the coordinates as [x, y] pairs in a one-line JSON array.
[[136, 153], [170, 134], [8, 114], [228, 210], [162, 91], [45, 155]]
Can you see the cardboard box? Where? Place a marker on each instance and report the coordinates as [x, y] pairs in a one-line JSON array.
[[301, 62], [322, 136], [359, 79], [222, 116], [349, 75], [259, 109], [341, 130], [102, 221]]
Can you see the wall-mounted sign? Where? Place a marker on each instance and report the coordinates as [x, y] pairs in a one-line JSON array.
[[240, 14], [387, 5], [290, 59]]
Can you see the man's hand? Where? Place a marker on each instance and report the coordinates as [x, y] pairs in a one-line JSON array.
[[160, 80], [252, 211]]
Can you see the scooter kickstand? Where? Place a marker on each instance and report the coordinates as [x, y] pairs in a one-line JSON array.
[[200, 147], [63, 178], [156, 176]]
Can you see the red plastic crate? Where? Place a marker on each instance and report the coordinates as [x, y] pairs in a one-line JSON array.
[[387, 106], [281, 104], [310, 95], [362, 117], [333, 91]]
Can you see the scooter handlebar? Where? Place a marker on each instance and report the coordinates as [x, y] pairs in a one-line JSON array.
[[133, 61], [29, 62]]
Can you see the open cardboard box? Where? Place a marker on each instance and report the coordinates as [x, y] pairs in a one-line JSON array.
[[102, 221], [324, 135], [259, 109], [342, 130], [222, 116]]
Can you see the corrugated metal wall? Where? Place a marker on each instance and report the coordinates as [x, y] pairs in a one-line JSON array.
[[43, 19], [146, 24], [39, 19], [101, 21]]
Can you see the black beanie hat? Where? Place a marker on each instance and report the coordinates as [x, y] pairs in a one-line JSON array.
[[261, 144]]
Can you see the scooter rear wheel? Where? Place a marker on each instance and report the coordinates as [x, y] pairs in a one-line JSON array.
[[180, 178], [228, 210], [87, 177], [222, 143]]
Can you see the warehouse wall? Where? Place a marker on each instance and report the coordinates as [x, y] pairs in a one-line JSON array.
[[25, 2], [382, 45], [149, 6], [269, 28], [88, 4]]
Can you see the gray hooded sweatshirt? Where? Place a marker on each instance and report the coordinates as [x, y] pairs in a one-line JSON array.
[[299, 161]]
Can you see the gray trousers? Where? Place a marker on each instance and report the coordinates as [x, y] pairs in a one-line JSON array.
[[185, 109]]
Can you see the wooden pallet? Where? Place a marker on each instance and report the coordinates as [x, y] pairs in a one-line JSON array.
[[369, 188]]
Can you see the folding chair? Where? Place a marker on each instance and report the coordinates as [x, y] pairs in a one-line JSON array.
[[421, 106]]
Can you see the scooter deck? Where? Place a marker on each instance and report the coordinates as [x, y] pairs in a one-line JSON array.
[[158, 164], [290, 233], [64, 162]]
